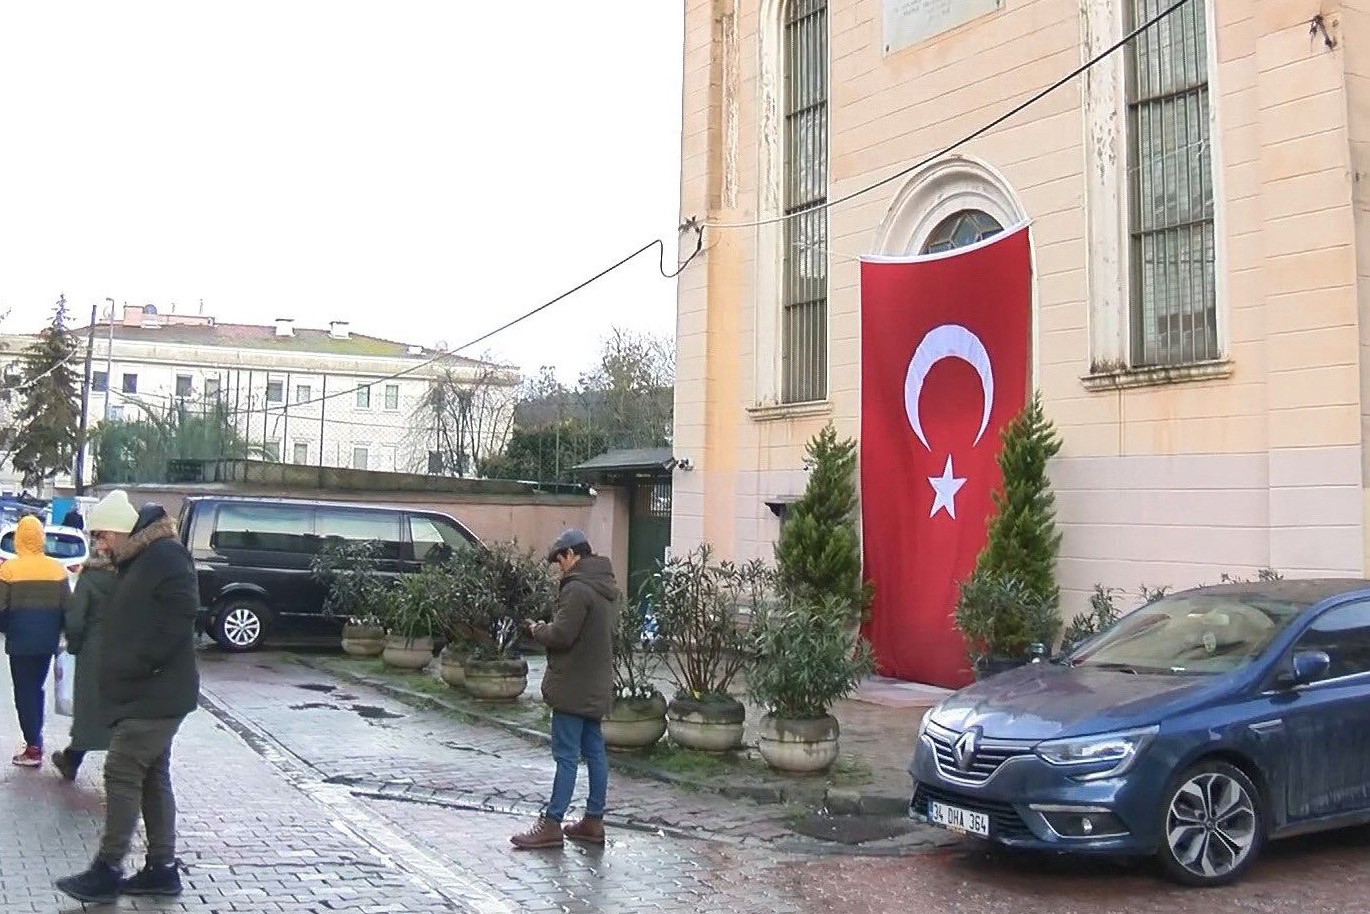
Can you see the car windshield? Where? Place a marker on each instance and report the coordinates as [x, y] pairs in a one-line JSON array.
[[60, 546], [1196, 633]]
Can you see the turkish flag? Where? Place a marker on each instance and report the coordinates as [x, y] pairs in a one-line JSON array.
[[944, 367]]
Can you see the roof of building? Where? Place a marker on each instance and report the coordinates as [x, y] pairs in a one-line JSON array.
[[658, 459], [254, 336]]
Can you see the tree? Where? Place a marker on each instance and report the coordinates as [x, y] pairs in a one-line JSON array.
[[818, 556], [140, 450], [47, 423], [634, 385], [1023, 541], [626, 401], [470, 416]]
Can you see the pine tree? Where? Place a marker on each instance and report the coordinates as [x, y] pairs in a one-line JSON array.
[[1023, 540], [46, 427], [819, 552]]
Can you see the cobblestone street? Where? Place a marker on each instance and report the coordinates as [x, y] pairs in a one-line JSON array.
[[302, 794]]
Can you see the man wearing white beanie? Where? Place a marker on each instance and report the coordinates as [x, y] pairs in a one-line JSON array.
[[148, 684]]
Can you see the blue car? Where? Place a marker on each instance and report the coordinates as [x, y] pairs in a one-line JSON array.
[[1196, 729]]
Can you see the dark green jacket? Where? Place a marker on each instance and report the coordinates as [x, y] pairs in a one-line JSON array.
[[580, 641], [147, 667], [85, 641]]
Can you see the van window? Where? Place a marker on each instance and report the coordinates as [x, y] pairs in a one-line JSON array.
[[263, 528], [382, 527], [430, 533]]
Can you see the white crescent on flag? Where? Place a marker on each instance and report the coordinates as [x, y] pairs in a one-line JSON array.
[[948, 341]]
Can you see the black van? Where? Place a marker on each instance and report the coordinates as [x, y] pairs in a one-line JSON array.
[[254, 555]]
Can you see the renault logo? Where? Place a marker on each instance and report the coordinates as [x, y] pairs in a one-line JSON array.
[[963, 750]]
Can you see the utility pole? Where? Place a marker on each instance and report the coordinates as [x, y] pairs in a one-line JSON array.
[[109, 359], [85, 406]]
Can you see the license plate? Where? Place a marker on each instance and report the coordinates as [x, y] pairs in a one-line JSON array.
[[962, 821]]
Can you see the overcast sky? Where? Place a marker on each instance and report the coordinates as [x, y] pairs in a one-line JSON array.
[[425, 170]]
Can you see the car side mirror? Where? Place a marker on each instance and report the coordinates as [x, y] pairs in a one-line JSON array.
[[1305, 668]]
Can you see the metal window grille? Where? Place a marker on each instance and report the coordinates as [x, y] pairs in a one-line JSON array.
[[654, 500], [805, 283], [1170, 183]]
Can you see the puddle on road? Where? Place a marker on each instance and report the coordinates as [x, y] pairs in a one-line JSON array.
[[315, 705], [851, 829], [371, 712], [317, 687]]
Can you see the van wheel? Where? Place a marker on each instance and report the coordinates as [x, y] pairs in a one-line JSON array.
[[240, 626], [1213, 827]]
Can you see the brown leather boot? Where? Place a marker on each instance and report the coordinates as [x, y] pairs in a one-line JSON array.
[[589, 829], [547, 833]]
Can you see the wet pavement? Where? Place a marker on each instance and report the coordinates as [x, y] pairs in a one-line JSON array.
[[299, 793]]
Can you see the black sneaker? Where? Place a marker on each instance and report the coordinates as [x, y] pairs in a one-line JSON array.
[[62, 763], [162, 879], [97, 885]]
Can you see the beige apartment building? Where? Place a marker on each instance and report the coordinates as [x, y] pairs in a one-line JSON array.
[[1200, 242]]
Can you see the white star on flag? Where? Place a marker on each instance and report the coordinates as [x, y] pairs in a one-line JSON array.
[[945, 488]]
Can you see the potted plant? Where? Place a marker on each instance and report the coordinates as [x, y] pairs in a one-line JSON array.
[[353, 591], [803, 663], [415, 617], [1010, 601], [493, 670], [1001, 618], [637, 719], [698, 602], [505, 588]]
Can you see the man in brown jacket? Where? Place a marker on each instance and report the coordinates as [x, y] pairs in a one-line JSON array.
[[578, 687]]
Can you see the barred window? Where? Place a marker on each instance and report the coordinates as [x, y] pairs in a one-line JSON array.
[[1170, 183], [804, 324]]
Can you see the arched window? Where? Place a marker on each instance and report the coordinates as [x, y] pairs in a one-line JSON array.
[[961, 229], [804, 103]]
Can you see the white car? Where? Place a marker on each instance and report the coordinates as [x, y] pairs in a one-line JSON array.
[[65, 544]]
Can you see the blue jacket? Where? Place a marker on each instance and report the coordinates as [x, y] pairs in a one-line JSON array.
[[34, 595]]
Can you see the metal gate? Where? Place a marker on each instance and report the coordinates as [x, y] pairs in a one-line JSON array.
[[649, 531]]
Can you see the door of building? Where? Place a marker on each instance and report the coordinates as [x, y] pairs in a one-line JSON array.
[[649, 531]]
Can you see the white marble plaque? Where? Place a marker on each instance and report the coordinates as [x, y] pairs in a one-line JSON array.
[[907, 22]]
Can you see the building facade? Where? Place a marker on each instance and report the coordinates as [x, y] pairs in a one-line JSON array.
[[1200, 258], [304, 396]]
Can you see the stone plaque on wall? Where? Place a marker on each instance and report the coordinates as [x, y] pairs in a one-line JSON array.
[[907, 22]]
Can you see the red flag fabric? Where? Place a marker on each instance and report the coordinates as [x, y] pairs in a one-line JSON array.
[[944, 367]]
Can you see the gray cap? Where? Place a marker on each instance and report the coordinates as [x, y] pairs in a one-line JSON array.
[[569, 539]]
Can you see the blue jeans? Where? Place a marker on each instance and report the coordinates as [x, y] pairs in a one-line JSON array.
[[575, 737], [29, 675]]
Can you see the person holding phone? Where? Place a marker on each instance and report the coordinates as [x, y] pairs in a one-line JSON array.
[[578, 687]]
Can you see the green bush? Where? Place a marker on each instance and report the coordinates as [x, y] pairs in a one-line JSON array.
[[804, 660], [1000, 616]]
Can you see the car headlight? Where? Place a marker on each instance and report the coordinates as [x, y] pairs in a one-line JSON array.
[[928, 717], [1106, 755]]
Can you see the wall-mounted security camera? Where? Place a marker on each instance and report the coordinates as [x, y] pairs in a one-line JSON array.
[[684, 464]]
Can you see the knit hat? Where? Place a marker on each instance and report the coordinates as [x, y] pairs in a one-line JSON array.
[[113, 514]]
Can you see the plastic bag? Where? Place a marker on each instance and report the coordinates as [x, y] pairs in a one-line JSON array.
[[64, 692]]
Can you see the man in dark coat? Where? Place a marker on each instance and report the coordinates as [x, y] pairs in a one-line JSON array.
[[578, 687], [148, 684]]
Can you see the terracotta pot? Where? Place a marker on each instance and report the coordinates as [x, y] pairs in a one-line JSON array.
[[363, 640], [408, 653], [497, 680], [799, 746], [714, 726], [452, 667], [635, 723]]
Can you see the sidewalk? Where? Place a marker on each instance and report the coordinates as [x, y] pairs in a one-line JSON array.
[[879, 726]]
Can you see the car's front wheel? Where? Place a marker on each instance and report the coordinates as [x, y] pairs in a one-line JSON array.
[[240, 625], [1214, 826]]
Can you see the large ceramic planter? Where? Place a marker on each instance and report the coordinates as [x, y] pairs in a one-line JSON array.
[[407, 653], [798, 746], [635, 723], [713, 726], [497, 680], [452, 667], [363, 640]]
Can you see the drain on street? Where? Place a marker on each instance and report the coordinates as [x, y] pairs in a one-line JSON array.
[[851, 829]]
